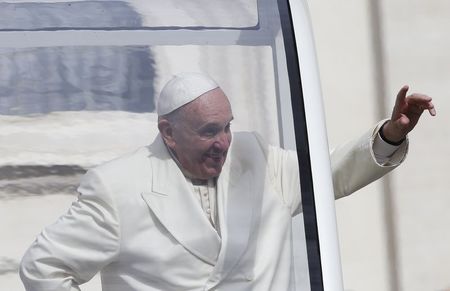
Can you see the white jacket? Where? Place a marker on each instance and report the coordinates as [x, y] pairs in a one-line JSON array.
[[138, 224]]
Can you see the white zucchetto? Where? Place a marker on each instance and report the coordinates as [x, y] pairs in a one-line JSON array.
[[182, 89]]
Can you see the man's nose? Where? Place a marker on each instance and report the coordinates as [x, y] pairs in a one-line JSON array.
[[222, 141]]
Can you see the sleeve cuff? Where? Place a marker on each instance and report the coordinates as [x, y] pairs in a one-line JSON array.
[[383, 150], [386, 154]]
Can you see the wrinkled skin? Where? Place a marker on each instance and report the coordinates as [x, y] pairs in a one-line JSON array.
[[200, 136]]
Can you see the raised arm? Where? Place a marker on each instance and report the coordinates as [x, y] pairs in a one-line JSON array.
[[354, 164]]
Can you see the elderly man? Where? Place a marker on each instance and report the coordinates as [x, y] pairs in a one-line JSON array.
[[194, 210]]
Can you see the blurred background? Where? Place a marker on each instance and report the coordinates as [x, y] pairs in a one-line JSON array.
[[64, 109], [394, 234]]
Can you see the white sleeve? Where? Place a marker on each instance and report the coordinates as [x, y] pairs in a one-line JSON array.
[[284, 173], [354, 164], [290, 181], [72, 250], [286, 177], [382, 150]]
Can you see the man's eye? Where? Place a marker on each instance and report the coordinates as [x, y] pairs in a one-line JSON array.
[[209, 132]]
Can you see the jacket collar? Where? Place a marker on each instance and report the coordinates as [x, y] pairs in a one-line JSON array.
[[172, 201], [235, 207]]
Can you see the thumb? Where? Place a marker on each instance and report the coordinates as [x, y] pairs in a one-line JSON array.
[[403, 120]]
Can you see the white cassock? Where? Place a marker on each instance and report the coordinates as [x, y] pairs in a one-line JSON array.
[[137, 221]]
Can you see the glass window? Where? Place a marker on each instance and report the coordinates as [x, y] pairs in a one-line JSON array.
[[131, 14], [41, 80], [72, 98]]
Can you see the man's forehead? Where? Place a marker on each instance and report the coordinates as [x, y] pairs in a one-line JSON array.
[[212, 107], [214, 101]]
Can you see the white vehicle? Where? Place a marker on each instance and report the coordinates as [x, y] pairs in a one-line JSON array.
[[97, 65]]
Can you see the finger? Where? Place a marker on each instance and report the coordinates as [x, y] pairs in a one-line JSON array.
[[401, 95], [417, 97], [400, 102], [423, 102], [430, 107], [432, 110]]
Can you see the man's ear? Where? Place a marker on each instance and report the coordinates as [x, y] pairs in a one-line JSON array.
[[166, 131]]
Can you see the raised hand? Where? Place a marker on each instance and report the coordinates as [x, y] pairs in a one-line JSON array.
[[406, 114]]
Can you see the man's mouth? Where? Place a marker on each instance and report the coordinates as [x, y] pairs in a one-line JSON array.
[[216, 157]]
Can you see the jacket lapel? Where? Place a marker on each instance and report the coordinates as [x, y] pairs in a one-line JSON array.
[[235, 205], [173, 202]]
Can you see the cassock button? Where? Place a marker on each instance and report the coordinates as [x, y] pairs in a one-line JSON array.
[[249, 277]]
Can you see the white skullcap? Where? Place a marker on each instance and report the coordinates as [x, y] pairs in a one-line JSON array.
[[182, 89]]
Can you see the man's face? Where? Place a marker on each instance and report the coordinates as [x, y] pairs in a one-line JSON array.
[[202, 136]]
